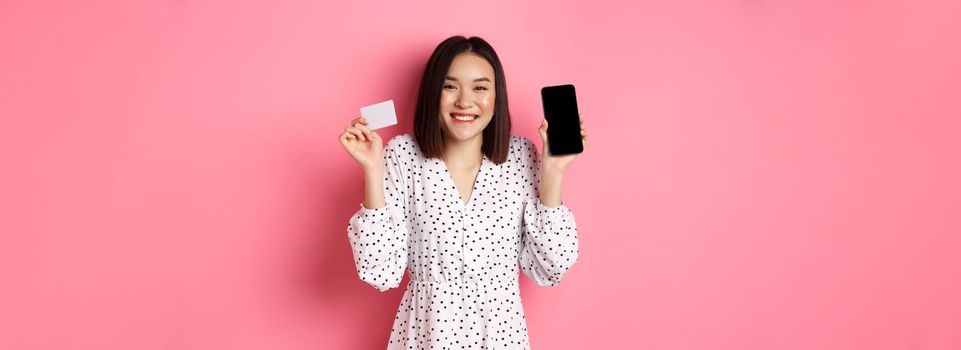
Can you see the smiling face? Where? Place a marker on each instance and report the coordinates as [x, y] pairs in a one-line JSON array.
[[467, 97]]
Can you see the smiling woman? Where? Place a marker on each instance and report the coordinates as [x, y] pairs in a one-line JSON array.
[[459, 207], [463, 76], [469, 103]]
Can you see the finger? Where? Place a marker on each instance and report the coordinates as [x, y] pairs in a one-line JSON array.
[[365, 130], [356, 131], [347, 136], [358, 120], [361, 125], [350, 130], [360, 135]]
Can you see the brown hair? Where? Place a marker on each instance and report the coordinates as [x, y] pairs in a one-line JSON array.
[[427, 128]]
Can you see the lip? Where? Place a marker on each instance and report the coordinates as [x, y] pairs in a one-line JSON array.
[[456, 114]]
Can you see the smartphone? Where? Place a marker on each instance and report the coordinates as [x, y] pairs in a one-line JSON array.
[[563, 121]]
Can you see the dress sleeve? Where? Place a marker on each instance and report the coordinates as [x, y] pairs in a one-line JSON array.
[[550, 242], [378, 237]]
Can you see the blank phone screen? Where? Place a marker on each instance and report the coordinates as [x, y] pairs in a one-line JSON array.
[[564, 127]]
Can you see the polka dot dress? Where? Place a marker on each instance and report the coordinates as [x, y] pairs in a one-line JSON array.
[[462, 257]]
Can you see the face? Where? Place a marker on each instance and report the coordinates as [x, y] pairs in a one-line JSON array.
[[467, 91]]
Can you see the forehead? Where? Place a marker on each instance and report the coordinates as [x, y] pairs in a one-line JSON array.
[[468, 66]]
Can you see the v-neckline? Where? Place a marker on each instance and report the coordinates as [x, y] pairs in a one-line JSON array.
[[473, 191]]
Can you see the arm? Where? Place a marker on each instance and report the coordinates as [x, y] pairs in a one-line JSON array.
[[378, 231], [549, 232], [550, 186]]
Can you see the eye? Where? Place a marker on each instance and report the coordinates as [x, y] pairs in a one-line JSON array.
[[482, 88], [448, 86]]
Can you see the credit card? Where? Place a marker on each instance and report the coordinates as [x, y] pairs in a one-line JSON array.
[[379, 115]]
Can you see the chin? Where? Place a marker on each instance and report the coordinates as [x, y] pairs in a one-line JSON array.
[[462, 137]]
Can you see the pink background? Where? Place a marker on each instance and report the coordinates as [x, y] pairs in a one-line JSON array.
[[760, 174]]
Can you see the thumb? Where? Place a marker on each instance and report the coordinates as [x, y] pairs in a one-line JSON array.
[[543, 129]]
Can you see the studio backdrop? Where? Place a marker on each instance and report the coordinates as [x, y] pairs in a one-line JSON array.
[[759, 174]]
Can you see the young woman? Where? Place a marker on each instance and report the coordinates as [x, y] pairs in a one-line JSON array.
[[461, 203]]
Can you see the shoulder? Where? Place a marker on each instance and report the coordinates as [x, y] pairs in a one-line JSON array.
[[522, 149], [403, 145]]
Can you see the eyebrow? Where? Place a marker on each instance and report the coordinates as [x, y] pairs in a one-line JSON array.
[[475, 80]]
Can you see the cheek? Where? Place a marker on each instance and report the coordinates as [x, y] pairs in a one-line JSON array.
[[447, 99], [487, 101]]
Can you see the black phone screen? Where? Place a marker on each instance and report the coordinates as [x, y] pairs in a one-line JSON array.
[[563, 123]]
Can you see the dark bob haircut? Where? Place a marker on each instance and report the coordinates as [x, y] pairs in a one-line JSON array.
[[427, 128]]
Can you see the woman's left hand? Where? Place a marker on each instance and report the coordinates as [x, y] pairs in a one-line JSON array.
[[557, 164]]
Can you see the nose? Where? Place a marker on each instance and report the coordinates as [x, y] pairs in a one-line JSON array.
[[463, 100]]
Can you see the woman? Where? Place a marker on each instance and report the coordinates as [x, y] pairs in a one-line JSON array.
[[461, 203]]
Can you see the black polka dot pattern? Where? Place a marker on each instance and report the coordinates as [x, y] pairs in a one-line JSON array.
[[462, 258]]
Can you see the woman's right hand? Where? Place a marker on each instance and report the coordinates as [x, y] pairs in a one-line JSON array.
[[363, 144]]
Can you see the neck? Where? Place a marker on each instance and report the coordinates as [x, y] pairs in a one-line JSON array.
[[465, 154]]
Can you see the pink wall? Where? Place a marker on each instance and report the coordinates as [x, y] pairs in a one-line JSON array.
[[760, 174]]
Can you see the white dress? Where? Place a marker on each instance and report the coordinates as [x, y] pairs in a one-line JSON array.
[[462, 258]]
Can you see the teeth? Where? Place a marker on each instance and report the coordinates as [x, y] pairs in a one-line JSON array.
[[464, 118]]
